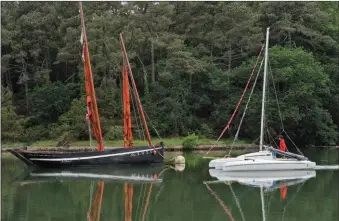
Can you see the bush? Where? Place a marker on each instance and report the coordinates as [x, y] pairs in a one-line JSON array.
[[206, 131], [114, 133], [190, 142]]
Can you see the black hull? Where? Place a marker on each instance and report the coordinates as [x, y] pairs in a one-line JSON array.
[[118, 156]]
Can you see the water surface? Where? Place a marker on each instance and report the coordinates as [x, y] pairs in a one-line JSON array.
[[179, 195]]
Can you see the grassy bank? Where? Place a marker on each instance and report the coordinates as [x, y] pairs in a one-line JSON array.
[[169, 142]]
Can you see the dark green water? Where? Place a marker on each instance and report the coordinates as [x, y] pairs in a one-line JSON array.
[[180, 196]]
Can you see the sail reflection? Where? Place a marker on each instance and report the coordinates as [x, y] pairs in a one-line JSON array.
[[135, 182]]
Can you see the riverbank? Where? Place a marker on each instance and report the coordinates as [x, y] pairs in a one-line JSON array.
[[172, 144]]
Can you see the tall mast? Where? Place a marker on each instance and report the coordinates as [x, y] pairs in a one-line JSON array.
[[141, 110], [92, 108], [264, 93]]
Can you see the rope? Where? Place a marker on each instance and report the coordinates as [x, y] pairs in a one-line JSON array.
[[276, 96], [293, 143], [89, 133], [249, 99], [90, 196], [242, 95], [279, 111], [237, 203], [239, 102], [222, 204], [142, 195], [137, 118], [152, 125], [243, 116], [295, 195]]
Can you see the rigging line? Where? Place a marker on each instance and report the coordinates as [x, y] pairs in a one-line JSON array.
[[243, 116], [293, 143], [295, 195], [237, 203], [248, 101], [240, 100], [89, 133], [276, 95], [136, 119], [139, 209], [269, 134], [152, 125], [242, 95], [142, 126], [222, 204], [90, 196]]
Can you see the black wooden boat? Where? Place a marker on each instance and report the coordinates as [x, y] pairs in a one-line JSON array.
[[135, 155], [150, 154]]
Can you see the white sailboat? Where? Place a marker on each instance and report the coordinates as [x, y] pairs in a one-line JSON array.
[[263, 160]]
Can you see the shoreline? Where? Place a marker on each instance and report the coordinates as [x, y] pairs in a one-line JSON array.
[[169, 148]]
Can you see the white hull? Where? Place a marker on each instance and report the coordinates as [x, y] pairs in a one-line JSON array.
[[260, 161], [268, 165], [218, 163]]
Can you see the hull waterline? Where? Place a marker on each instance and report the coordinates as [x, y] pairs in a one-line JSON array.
[[56, 159]]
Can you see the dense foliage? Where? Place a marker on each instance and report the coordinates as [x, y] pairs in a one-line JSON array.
[[191, 61]]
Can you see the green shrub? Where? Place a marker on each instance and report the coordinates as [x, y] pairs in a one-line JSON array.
[[114, 133], [206, 131], [190, 142]]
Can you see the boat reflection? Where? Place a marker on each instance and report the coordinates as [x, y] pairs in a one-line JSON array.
[[109, 173], [125, 176], [267, 181]]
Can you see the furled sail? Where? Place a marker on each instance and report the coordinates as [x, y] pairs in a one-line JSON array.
[[92, 108]]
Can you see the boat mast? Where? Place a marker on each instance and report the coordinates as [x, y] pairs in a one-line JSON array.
[[92, 108], [264, 93], [141, 110]]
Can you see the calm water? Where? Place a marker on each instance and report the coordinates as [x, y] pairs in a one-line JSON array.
[[179, 195]]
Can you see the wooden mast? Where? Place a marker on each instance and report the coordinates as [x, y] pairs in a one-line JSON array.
[[92, 108], [141, 110], [128, 137]]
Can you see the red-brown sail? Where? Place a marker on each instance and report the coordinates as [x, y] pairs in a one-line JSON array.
[[128, 137], [92, 108], [128, 192], [94, 213], [141, 110]]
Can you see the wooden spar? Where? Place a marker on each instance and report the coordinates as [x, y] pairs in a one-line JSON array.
[[141, 110], [94, 213], [128, 191], [92, 108], [128, 137]]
